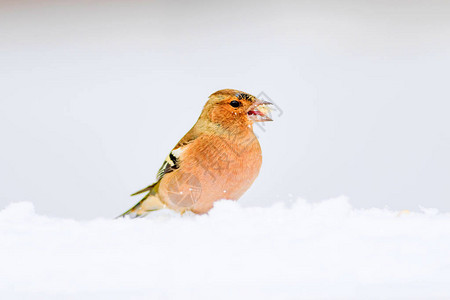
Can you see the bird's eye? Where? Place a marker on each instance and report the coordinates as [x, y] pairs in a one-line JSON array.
[[235, 103]]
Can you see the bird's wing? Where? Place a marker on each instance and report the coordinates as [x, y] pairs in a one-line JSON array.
[[172, 161], [151, 200]]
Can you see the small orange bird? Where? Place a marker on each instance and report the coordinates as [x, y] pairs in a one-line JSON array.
[[219, 158]]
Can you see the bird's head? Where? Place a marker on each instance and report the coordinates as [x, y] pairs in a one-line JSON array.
[[235, 109]]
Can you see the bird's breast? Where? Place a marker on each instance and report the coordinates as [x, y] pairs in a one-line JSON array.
[[212, 168]]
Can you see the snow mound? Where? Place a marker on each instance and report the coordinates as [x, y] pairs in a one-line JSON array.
[[307, 250]]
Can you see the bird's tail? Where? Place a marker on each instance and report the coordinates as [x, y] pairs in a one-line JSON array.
[[149, 203]]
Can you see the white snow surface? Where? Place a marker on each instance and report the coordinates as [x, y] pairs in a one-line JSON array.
[[325, 250]]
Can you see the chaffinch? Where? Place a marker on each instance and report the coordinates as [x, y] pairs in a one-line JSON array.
[[219, 158]]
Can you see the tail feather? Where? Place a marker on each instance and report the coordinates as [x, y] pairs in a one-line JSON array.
[[149, 203], [149, 188]]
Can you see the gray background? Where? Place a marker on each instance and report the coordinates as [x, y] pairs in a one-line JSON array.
[[94, 94]]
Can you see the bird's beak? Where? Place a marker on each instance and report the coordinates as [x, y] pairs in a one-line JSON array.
[[259, 111]]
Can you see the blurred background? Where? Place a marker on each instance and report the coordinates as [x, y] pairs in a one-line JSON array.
[[94, 94]]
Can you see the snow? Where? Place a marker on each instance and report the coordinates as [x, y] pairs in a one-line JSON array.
[[302, 250]]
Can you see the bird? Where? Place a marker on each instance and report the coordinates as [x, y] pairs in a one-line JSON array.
[[218, 158]]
